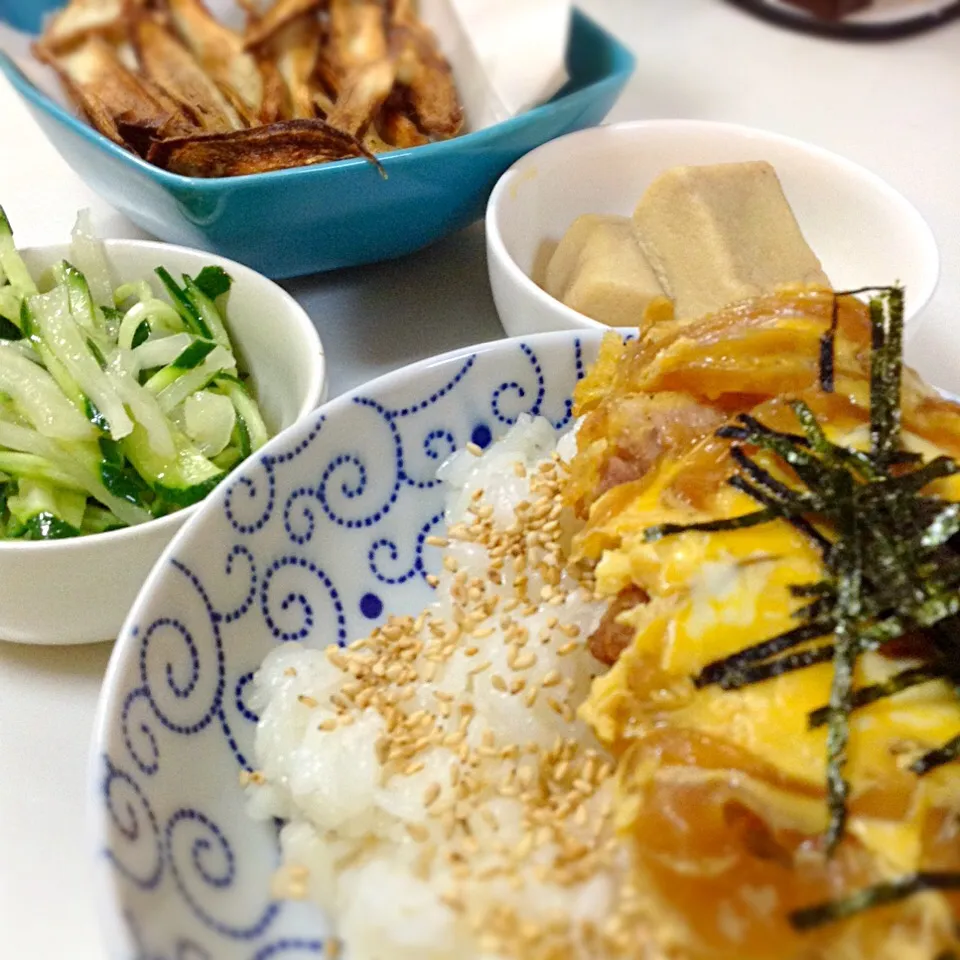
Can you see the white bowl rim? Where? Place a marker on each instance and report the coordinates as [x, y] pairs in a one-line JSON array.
[[931, 253], [108, 701], [318, 379]]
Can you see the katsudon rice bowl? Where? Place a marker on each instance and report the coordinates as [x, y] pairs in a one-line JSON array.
[[566, 647]]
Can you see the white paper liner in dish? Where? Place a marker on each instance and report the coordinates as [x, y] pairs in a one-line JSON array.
[[507, 55]]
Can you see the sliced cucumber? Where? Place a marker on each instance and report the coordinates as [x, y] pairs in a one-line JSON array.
[[249, 420], [11, 263], [196, 378], [207, 311], [76, 466], [160, 352], [116, 405], [39, 398], [189, 313], [214, 282], [99, 520], [146, 409], [183, 479], [90, 256], [78, 294], [64, 338], [48, 505], [37, 467], [43, 525], [10, 302], [160, 319], [209, 419]]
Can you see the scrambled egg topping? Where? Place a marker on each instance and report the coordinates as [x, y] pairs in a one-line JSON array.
[[724, 790]]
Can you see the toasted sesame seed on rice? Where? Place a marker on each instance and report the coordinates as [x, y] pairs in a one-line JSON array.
[[441, 798]]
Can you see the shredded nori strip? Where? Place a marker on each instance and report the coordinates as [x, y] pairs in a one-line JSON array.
[[828, 348], [892, 562], [651, 534], [792, 515], [937, 758], [720, 670], [747, 676], [848, 609], [886, 369], [912, 677], [881, 895]]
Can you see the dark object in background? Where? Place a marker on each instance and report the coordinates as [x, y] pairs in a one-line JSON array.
[[855, 19], [830, 9]]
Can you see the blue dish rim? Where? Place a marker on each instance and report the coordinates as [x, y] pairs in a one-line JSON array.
[[623, 65]]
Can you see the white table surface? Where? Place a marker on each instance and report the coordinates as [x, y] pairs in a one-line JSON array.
[[894, 108]]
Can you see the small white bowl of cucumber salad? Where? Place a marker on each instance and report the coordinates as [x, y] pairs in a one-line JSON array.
[[134, 376]]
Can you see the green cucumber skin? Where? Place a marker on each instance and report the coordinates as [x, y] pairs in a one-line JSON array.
[[209, 315], [213, 282], [187, 496], [141, 334], [125, 484], [189, 313], [166, 478], [43, 526], [9, 330], [194, 355]]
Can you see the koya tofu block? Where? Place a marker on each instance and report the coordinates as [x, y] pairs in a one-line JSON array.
[[719, 234], [599, 270]]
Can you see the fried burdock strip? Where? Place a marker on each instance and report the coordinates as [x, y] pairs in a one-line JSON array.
[[425, 73], [276, 99], [292, 50], [275, 106], [118, 103], [81, 18], [395, 125], [168, 63], [221, 53], [362, 60], [277, 146], [263, 28], [326, 75], [362, 94], [296, 48]]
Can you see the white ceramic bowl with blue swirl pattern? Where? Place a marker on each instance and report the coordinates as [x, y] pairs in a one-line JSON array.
[[316, 539]]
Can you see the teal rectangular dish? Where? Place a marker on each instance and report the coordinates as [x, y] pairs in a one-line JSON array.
[[292, 222]]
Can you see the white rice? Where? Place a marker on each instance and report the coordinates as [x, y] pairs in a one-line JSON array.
[[404, 867]]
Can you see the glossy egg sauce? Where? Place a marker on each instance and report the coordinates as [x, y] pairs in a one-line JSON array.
[[724, 791]]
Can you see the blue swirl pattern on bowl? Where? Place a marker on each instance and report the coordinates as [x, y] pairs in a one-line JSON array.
[[341, 214], [316, 540]]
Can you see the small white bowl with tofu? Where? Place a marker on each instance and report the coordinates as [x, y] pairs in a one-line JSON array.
[[633, 223]]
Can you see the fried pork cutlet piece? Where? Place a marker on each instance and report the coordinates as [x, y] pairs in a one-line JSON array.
[[611, 638]]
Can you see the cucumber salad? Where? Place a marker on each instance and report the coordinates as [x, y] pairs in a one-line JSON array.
[[117, 404]]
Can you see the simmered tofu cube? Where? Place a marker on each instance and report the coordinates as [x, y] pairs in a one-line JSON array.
[[718, 234], [599, 270]]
